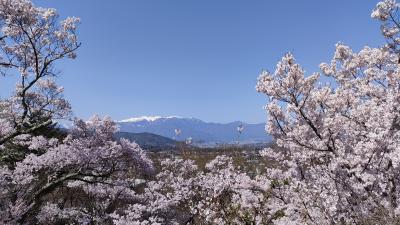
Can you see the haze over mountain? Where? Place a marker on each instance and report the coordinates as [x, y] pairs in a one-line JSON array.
[[200, 131]]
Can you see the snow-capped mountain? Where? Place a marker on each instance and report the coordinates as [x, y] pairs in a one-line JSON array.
[[180, 128]]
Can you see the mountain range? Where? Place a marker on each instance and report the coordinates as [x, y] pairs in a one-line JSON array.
[[201, 132]]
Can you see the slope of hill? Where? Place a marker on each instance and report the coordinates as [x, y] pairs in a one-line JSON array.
[[149, 141]]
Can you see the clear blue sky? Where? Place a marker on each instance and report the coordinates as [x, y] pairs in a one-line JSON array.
[[198, 58]]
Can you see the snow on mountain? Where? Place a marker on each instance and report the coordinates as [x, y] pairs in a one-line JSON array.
[[200, 131], [145, 118]]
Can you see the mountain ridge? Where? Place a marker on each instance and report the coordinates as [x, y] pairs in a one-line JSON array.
[[155, 118], [180, 128]]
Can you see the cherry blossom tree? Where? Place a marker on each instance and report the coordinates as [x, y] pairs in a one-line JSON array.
[[83, 179], [227, 195], [220, 194], [340, 141], [32, 39]]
